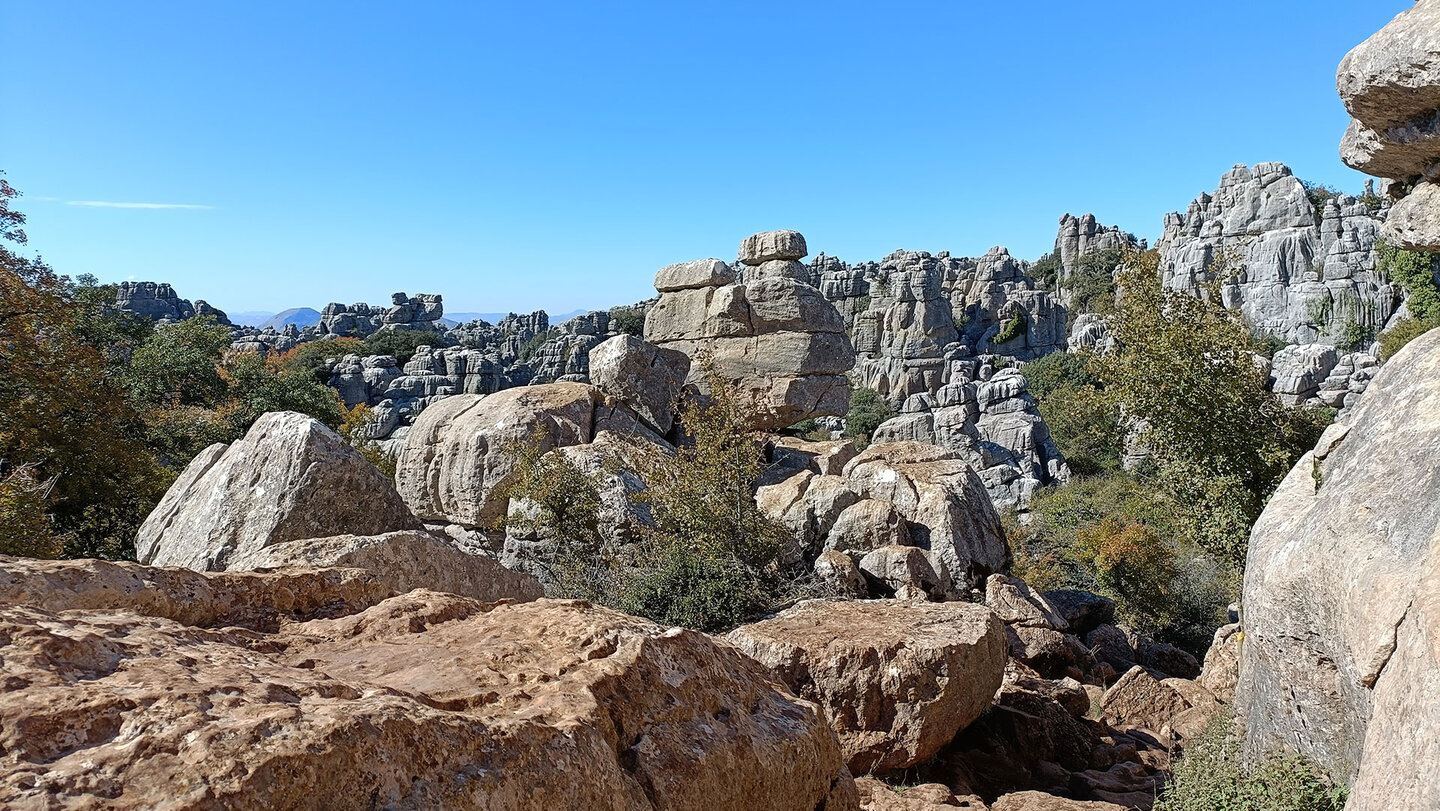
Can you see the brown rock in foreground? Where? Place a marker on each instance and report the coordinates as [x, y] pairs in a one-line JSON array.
[[1039, 801], [897, 679], [424, 701], [878, 796]]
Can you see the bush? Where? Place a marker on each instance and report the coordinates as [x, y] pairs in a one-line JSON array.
[[1419, 274], [628, 320], [25, 526], [1084, 422], [867, 411], [310, 357], [355, 428], [1211, 776], [1046, 271], [1012, 329], [401, 343], [1401, 333], [1091, 288], [1122, 537]]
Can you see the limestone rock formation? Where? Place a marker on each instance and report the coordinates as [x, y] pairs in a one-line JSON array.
[[772, 334], [160, 303], [641, 374], [461, 448], [404, 561], [422, 701], [288, 479], [1390, 83], [1342, 596], [944, 504], [896, 679], [1319, 375], [1082, 236], [1294, 271], [421, 312]]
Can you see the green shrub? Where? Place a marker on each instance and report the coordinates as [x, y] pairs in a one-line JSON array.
[[1012, 329], [1319, 195], [354, 427], [25, 526], [1401, 333], [1083, 421], [867, 411], [1046, 271], [1419, 273], [401, 343], [628, 320], [1211, 776], [310, 357], [1091, 288]]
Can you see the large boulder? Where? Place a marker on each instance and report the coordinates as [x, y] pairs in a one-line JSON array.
[[944, 504], [288, 479], [425, 700], [644, 376], [403, 561], [1040, 801], [896, 679], [459, 454], [1342, 596]]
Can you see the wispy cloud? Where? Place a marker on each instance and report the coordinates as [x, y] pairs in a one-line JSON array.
[[109, 204]]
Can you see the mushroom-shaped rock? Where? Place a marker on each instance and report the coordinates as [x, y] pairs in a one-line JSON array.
[[460, 451], [896, 679], [943, 500], [425, 700], [288, 479], [402, 560], [642, 375]]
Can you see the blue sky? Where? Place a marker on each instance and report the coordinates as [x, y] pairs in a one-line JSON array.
[[522, 155]]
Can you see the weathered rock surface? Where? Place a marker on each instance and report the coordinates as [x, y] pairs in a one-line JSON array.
[[1039, 801], [878, 796], [459, 452], [1390, 83], [643, 376], [944, 503], [773, 335], [422, 701], [404, 561], [1342, 596], [1296, 272], [896, 679], [288, 479], [160, 303]]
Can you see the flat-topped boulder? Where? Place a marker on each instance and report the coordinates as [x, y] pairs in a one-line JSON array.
[[896, 679], [769, 246]]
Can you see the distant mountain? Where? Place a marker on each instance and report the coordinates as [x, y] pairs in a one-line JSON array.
[[253, 318], [299, 316]]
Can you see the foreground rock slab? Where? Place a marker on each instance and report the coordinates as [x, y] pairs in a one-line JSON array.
[[423, 701], [1342, 596], [897, 679]]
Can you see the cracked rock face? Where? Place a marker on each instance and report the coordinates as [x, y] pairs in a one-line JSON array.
[[424, 700], [1342, 596]]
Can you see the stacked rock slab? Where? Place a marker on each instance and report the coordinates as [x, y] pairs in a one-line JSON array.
[[1082, 236], [288, 479], [772, 335], [160, 303], [157, 689], [1390, 83], [1341, 626], [1293, 271]]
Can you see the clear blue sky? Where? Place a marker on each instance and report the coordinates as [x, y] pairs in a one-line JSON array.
[[520, 155]]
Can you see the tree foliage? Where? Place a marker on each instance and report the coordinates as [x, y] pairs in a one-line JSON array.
[[867, 411], [1185, 366], [1212, 775], [1419, 273]]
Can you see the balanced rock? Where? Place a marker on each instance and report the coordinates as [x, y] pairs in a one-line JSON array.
[[757, 249], [288, 479], [423, 701], [896, 679], [1342, 596]]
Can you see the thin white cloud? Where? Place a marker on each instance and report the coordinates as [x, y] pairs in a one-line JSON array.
[[108, 204]]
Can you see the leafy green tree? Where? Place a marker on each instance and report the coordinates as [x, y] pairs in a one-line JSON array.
[[1091, 288], [178, 364], [867, 411], [310, 357], [401, 343], [628, 320], [1185, 365], [1085, 423], [1419, 273], [1046, 271]]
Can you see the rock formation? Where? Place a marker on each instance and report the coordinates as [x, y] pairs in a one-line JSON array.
[[160, 303], [1294, 271], [1390, 83], [897, 680], [166, 689], [772, 333], [421, 312], [288, 479], [1082, 236], [1342, 596]]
